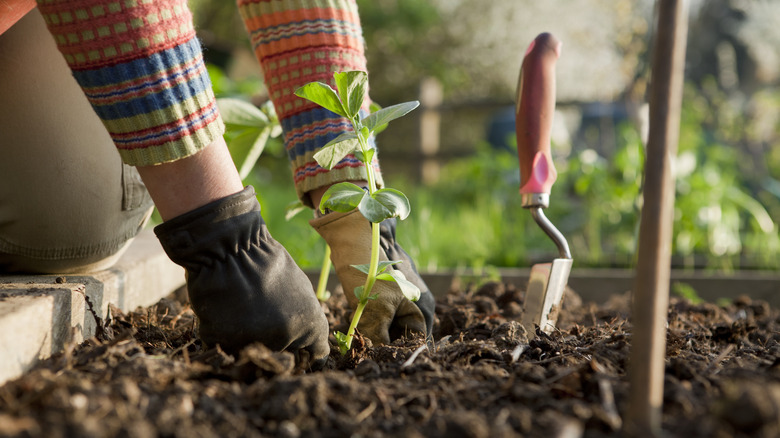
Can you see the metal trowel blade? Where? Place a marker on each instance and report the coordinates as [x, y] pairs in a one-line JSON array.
[[544, 295]]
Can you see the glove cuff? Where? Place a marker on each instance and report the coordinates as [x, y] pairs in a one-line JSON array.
[[192, 238]]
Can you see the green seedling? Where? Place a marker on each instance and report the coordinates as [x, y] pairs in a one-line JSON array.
[[375, 204]]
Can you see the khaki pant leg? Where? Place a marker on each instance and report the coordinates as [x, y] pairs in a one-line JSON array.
[[67, 203]]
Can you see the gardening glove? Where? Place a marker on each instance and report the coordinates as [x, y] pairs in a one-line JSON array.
[[243, 285], [390, 315]]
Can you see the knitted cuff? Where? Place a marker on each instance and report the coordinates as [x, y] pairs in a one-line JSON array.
[[142, 70], [298, 42]]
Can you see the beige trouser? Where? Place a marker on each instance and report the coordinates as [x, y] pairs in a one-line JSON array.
[[67, 203]]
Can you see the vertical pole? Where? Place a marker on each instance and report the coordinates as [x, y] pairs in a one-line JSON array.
[[651, 291], [431, 96]]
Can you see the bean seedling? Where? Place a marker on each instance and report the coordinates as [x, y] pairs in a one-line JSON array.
[[375, 204]]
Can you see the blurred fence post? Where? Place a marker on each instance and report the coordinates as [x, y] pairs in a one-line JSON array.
[[431, 96]]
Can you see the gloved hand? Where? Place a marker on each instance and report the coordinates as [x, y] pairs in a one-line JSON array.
[[390, 315], [243, 285]]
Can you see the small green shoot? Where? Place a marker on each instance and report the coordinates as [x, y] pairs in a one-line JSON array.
[[375, 204]]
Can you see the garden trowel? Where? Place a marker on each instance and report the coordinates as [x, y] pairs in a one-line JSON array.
[[533, 117]]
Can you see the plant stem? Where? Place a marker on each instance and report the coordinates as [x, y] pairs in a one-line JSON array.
[[353, 325], [324, 273], [374, 263]]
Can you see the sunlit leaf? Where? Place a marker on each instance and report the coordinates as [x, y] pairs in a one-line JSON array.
[[374, 107], [352, 90], [395, 201], [237, 113], [342, 197], [335, 150], [322, 95], [410, 291], [386, 115], [383, 264], [292, 209], [273, 120], [246, 148]]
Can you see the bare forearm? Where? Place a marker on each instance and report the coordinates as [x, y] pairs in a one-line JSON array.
[[183, 185]]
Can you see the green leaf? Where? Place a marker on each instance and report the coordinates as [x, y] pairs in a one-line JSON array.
[[373, 297], [383, 264], [393, 200], [342, 197], [386, 115], [761, 216], [352, 90], [342, 339], [362, 268], [366, 158], [246, 148], [322, 95], [268, 109], [358, 291], [237, 113], [410, 291], [336, 149], [293, 209], [374, 107], [373, 210]]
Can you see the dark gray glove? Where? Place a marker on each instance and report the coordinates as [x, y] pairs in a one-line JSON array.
[[243, 285], [393, 250]]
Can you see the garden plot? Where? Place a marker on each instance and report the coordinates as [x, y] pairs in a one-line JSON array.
[[147, 374]]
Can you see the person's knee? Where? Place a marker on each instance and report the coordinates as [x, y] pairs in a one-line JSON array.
[[66, 200], [18, 263]]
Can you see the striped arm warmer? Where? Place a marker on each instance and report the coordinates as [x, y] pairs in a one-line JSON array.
[[298, 42], [141, 68]]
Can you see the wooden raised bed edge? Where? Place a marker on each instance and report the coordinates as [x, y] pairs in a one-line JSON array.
[[598, 285]]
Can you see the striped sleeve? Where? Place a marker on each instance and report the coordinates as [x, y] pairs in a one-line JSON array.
[[297, 42], [142, 69]]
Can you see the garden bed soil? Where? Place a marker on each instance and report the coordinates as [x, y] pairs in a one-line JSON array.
[[146, 374]]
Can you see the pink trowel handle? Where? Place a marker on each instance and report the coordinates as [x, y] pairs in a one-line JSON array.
[[533, 119]]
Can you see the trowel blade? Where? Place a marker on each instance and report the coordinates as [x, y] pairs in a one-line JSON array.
[[544, 295]]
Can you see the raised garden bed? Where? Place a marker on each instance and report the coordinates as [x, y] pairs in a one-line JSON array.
[[147, 375]]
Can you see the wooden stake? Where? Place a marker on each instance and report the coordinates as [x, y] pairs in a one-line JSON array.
[[651, 291]]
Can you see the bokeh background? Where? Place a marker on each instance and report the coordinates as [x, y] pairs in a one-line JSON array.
[[454, 157]]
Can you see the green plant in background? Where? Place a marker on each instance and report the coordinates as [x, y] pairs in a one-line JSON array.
[[716, 213], [607, 193], [224, 86], [472, 217], [686, 291], [375, 204], [248, 130]]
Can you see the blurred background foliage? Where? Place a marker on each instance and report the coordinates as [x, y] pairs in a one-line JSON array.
[[727, 169]]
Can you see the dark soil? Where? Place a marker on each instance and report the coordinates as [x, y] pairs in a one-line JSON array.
[[148, 375]]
